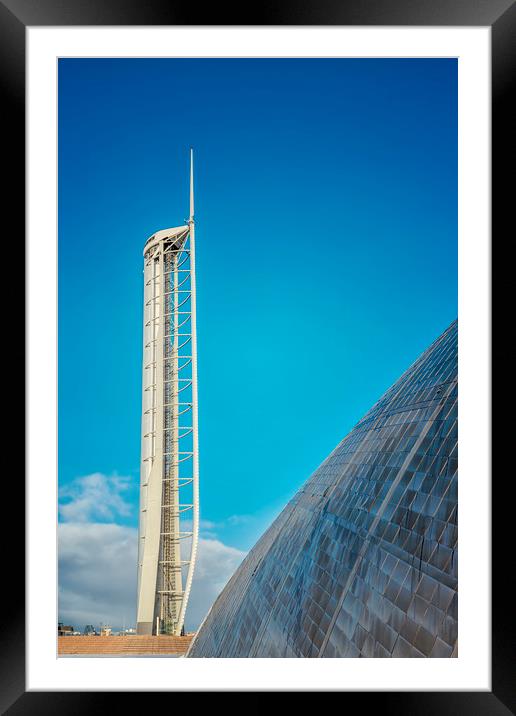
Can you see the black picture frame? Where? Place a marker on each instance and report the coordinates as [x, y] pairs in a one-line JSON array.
[[500, 15]]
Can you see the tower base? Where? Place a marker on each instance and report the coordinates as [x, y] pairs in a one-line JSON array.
[[144, 628]]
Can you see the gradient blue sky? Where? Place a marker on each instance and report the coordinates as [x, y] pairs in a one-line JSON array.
[[326, 213]]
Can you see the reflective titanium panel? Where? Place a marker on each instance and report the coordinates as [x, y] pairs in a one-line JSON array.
[[362, 562]]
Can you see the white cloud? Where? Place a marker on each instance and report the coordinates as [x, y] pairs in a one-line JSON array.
[[203, 525], [216, 562], [95, 497], [98, 558], [97, 575], [239, 520]]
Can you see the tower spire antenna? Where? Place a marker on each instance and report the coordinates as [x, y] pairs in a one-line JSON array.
[[191, 188]]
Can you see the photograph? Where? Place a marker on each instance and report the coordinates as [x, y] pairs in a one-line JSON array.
[[257, 348], [261, 250]]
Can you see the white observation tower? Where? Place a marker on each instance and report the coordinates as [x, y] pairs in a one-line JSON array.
[[169, 488]]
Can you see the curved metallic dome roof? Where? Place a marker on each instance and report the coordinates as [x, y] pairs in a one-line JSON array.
[[363, 560]]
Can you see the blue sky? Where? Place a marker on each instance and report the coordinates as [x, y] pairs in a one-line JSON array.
[[326, 215]]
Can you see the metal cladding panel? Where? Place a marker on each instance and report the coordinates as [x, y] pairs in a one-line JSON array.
[[362, 562]]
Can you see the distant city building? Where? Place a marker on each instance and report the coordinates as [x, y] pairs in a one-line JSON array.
[[169, 500], [89, 630], [64, 630], [105, 630], [362, 562]]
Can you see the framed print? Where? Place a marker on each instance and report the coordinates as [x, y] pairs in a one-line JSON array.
[[284, 472]]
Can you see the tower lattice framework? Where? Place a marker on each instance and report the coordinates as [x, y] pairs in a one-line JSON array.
[[169, 494]]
